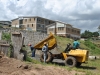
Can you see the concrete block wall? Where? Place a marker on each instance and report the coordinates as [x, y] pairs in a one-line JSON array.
[[33, 37], [29, 37], [17, 44]]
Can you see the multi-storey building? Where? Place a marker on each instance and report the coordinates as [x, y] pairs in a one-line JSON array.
[[34, 23], [5, 24], [64, 30], [46, 25]]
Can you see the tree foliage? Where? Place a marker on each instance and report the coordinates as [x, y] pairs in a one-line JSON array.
[[88, 34], [6, 36], [95, 34]]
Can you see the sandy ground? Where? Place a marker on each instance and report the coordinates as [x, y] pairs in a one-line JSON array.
[[10, 66]]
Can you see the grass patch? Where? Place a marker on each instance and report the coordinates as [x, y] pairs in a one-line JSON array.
[[87, 45], [94, 50], [29, 59], [62, 43]]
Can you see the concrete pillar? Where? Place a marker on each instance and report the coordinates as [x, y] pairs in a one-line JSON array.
[[16, 39]]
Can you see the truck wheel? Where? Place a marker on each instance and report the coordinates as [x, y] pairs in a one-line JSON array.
[[49, 57], [78, 64], [70, 61]]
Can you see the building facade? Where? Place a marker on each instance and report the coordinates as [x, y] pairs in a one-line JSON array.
[[64, 30], [5, 24], [46, 25], [32, 23]]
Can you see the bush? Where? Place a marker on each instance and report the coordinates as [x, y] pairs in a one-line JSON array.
[[6, 36], [29, 59]]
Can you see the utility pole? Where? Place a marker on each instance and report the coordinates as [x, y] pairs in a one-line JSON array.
[[55, 30], [99, 30]]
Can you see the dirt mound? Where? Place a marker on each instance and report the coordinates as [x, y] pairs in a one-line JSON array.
[[10, 66]]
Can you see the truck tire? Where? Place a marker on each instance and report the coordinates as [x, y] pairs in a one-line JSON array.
[[49, 57], [70, 61], [78, 64]]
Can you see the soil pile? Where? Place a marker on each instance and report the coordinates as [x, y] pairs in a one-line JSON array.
[[10, 66]]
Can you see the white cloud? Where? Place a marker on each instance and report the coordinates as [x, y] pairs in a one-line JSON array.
[[61, 7], [83, 14]]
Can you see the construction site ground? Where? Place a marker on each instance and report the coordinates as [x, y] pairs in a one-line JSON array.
[[11, 66]]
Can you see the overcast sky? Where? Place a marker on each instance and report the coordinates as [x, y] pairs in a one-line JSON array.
[[83, 14]]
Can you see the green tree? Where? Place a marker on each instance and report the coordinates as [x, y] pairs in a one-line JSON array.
[[95, 34], [86, 34], [6, 36]]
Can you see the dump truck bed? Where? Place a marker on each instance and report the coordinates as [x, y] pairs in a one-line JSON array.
[[51, 41]]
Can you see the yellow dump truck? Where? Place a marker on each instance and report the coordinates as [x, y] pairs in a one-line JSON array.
[[73, 58]]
